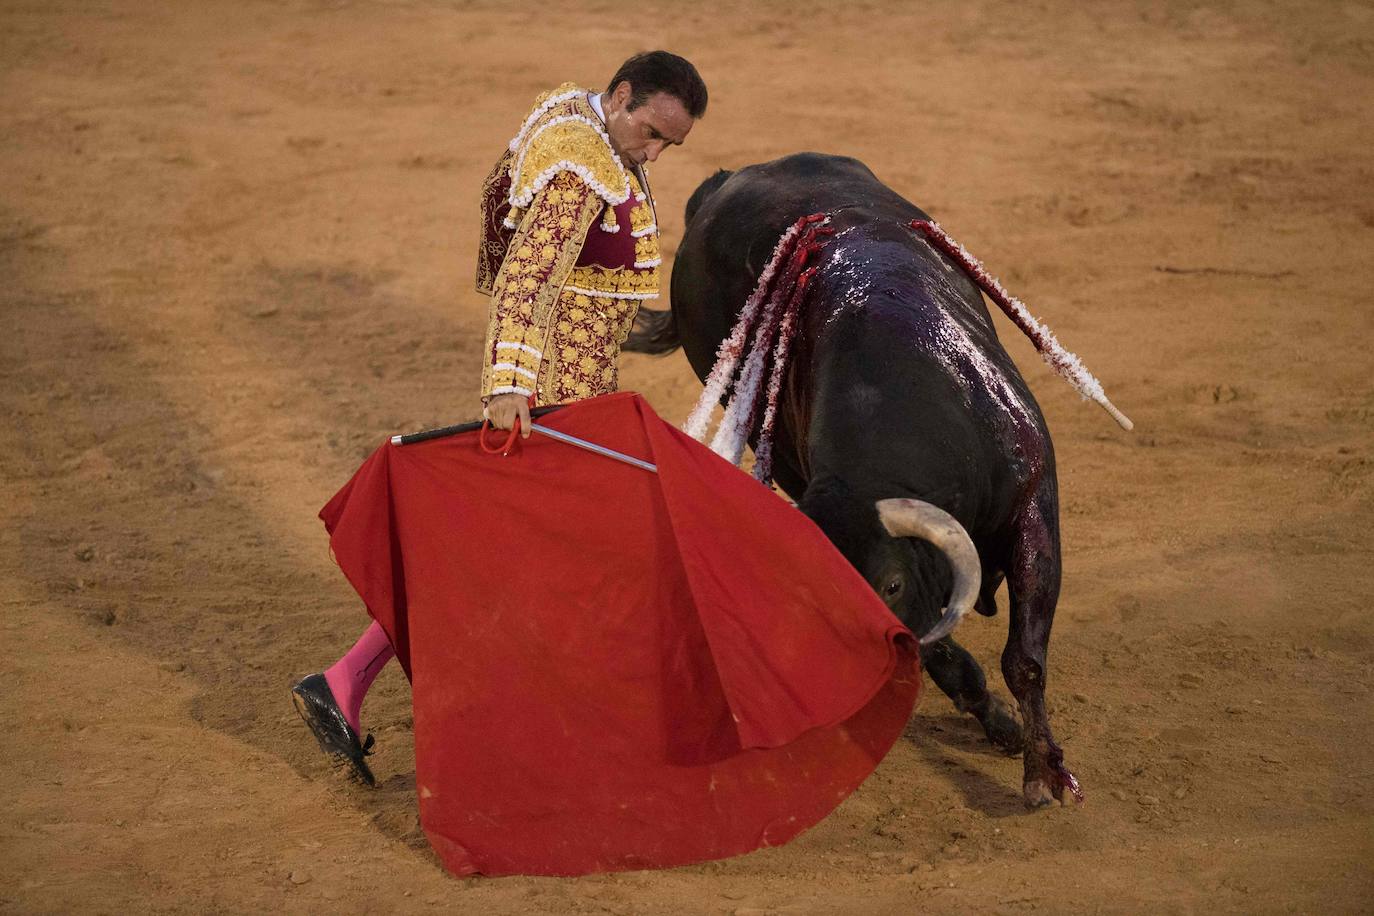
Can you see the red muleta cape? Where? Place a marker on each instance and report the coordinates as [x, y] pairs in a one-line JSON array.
[[615, 669]]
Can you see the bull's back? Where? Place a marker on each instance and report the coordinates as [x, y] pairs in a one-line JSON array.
[[894, 338], [731, 234]]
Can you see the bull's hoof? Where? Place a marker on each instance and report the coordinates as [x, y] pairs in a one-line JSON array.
[[1061, 789], [1001, 726], [1037, 794]]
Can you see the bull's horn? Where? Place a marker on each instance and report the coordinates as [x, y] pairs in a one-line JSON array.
[[913, 518]]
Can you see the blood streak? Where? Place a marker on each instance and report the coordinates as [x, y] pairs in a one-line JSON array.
[[768, 322], [1066, 364]]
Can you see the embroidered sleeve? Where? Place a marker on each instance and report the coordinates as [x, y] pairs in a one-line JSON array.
[[495, 234], [538, 261]]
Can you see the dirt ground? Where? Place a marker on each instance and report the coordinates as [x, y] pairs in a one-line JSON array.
[[236, 249]]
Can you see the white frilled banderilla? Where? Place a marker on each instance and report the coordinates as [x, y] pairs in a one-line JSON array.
[[1065, 364], [768, 322]]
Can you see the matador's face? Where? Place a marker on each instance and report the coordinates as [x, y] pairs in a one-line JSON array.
[[641, 135]]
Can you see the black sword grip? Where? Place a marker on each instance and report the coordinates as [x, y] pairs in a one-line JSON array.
[[444, 431]]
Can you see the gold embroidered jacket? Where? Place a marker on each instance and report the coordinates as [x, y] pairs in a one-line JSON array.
[[569, 251]]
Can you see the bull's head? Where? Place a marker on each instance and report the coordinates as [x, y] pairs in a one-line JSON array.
[[911, 578], [914, 518]]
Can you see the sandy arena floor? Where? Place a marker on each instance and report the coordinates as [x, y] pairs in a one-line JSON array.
[[236, 245]]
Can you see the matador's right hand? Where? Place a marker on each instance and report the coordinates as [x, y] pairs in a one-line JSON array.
[[504, 409]]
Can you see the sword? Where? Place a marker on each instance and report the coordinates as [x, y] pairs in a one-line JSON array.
[[593, 447]]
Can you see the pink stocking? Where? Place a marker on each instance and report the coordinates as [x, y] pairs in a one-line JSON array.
[[352, 675]]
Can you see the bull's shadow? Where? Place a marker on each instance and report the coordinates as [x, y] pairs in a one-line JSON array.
[[945, 743]]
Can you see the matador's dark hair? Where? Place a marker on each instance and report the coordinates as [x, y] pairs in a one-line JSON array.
[[662, 71]]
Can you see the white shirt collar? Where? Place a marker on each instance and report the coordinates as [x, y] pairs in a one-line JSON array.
[[595, 99]]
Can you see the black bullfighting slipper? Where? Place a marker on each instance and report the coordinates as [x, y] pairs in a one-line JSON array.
[[317, 706]]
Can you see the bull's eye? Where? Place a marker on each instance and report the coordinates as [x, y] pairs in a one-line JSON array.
[[892, 589]]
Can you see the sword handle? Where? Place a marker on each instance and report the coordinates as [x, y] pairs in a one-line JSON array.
[[445, 431]]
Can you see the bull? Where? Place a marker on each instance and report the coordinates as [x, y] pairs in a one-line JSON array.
[[898, 396]]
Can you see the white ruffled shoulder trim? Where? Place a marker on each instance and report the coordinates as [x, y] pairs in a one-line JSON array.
[[526, 138], [563, 165], [535, 115]]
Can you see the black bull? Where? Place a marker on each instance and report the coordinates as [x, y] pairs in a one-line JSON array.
[[897, 387]]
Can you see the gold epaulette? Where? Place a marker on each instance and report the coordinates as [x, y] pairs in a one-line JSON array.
[[563, 133]]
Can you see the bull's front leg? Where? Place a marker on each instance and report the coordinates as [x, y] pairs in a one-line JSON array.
[[956, 673], [1033, 586]]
